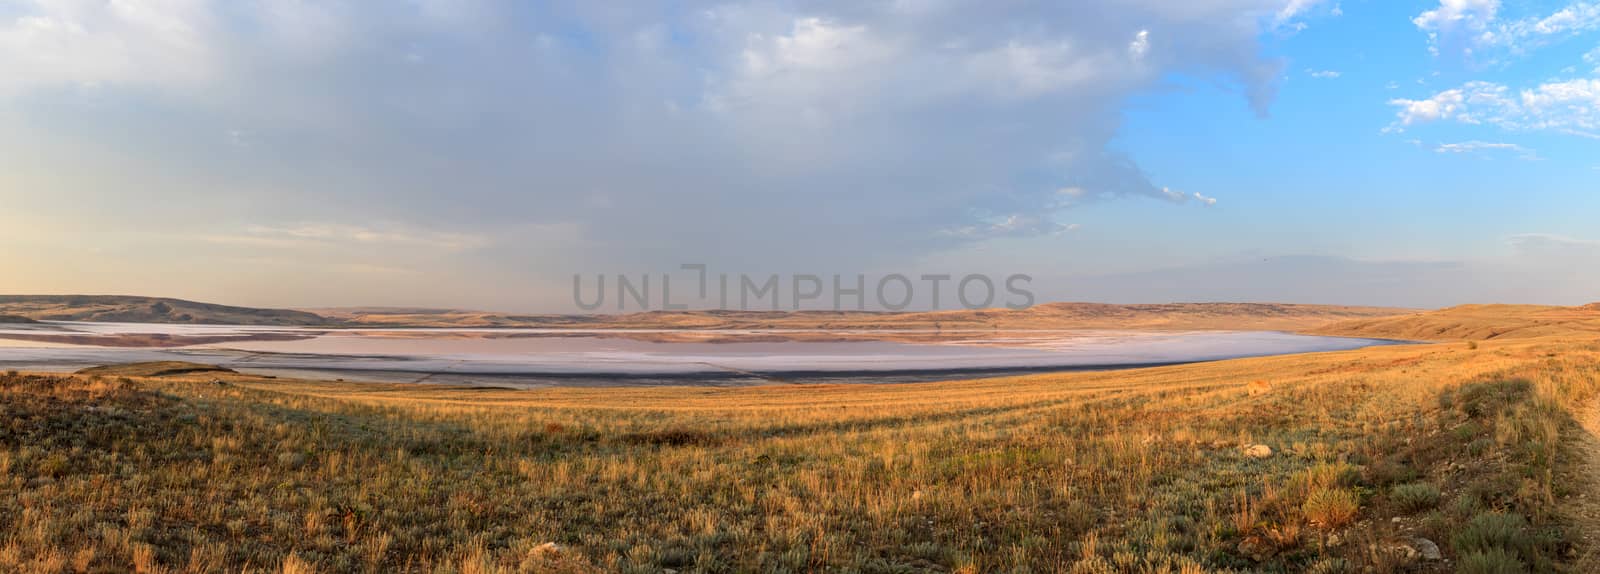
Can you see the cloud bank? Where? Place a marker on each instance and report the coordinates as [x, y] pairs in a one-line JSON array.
[[844, 134]]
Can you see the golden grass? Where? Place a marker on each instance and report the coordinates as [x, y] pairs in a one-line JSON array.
[[1476, 322], [1141, 470]]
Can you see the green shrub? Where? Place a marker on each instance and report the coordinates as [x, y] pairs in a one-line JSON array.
[[1492, 531], [1480, 400], [1415, 497], [1496, 561]]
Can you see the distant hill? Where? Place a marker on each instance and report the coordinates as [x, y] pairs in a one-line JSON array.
[[13, 319], [1171, 316], [131, 309], [1475, 323]]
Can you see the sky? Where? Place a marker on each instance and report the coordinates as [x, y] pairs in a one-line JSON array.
[[480, 153]]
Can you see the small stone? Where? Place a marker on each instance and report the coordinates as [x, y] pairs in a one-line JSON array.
[[1258, 451]]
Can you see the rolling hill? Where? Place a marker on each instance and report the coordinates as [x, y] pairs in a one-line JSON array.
[[1169, 316], [133, 309], [1475, 323]]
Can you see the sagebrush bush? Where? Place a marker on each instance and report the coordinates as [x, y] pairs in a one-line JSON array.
[[1496, 561], [1494, 530], [1415, 497]]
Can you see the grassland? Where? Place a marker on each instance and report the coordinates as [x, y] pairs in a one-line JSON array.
[[1476, 322], [1467, 445]]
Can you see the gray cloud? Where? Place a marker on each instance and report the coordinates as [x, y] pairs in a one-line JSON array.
[[794, 134]]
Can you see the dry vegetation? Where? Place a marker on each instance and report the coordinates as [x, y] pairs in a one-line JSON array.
[[1477, 322], [1150, 470]]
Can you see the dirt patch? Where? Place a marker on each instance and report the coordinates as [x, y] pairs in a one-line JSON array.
[[1583, 509]]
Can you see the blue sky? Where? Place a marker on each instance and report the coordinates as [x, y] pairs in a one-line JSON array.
[[477, 153]]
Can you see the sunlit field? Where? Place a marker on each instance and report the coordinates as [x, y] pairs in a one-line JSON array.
[[1332, 462]]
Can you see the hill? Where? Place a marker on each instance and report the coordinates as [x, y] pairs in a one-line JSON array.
[[1170, 316], [1475, 323], [133, 309], [14, 319]]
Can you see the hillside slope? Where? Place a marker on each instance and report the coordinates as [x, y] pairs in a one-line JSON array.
[[1475, 323], [133, 309]]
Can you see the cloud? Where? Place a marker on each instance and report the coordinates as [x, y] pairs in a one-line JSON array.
[[1203, 199], [389, 234], [1016, 225], [1569, 106], [1549, 244], [766, 133], [1323, 74], [1473, 26], [1291, 13], [1458, 14], [1479, 147], [1535, 269]]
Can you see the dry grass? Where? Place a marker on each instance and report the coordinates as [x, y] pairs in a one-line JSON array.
[[1131, 471], [1476, 323]]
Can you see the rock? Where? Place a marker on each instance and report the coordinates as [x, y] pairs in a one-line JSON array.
[[1427, 548], [1402, 550], [1258, 451], [1257, 548], [1413, 549], [291, 460], [547, 550]]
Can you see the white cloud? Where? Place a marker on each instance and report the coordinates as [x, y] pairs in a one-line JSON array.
[[1203, 199], [1474, 25], [1323, 74], [1140, 45], [1570, 106], [1015, 225], [84, 43], [1294, 9], [1464, 14], [1442, 105], [314, 234], [1479, 147]]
